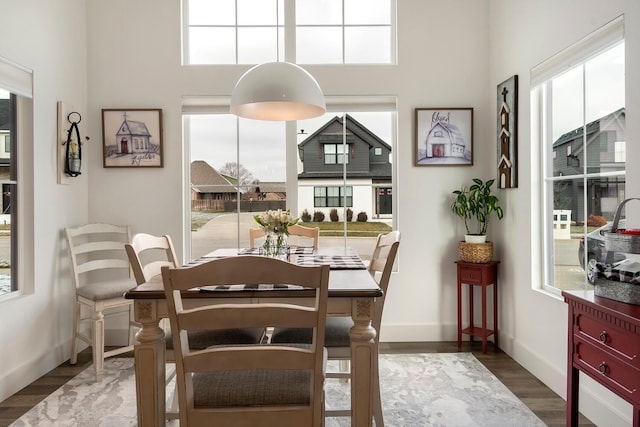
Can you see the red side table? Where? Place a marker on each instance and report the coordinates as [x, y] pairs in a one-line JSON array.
[[483, 275]]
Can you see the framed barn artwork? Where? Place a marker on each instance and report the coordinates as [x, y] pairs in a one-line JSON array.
[[443, 137], [132, 138], [507, 103]]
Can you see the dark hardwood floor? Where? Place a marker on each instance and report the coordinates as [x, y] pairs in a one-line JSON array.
[[547, 405]]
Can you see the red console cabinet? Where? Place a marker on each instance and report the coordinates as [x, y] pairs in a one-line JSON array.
[[604, 343]]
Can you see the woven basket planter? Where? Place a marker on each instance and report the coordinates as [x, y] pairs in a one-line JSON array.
[[475, 252]]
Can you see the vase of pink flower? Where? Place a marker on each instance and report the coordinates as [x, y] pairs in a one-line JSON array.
[[275, 224]]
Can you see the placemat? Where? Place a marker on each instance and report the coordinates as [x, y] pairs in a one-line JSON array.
[[337, 262]]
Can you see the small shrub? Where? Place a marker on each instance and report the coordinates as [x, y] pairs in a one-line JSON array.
[[596, 221], [362, 217], [305, 216], [333, 214], [318, 216], [349, 215]]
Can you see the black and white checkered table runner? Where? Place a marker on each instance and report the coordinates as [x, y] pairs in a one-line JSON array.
[[337, 262]]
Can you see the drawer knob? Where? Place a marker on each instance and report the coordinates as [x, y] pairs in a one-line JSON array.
[[604, 337], [470, 276], [603, 368]]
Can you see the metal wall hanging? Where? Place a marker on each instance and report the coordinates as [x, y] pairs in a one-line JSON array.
[[73, 151]]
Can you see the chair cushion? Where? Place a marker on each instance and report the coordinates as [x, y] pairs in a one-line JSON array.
[[336, 333], [104, 290], [251, 388], [199, 340]]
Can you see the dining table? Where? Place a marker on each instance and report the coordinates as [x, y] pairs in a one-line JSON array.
[[352, 292]]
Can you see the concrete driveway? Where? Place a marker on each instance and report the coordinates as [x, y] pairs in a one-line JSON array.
[[226, 230]]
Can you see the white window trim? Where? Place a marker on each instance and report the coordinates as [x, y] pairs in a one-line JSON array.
[[220, 105], [19, 81], [590, 46]]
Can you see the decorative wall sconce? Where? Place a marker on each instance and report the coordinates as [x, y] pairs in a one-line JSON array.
[[70, 150], [73, 153]]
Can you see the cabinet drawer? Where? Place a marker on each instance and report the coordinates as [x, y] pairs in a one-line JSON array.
[[604, 334], [607, 369], [470, 275]]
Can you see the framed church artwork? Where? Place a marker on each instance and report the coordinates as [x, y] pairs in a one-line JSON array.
[[507, 103], [132, 138], [443, 137]]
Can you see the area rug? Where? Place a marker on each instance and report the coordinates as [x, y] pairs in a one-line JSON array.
[[426, 389]]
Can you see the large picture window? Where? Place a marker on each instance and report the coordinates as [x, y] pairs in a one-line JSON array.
[[239, 167], [579, 103]]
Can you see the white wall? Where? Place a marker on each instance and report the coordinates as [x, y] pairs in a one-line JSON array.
[[48, 38], [362, 193], [534, 325], [450, 54]]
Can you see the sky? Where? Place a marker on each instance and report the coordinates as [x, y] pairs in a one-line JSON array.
[[604, 87]]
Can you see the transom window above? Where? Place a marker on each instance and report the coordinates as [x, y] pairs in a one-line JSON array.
[[255, 31]]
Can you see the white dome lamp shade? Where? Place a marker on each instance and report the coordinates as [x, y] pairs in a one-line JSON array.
[[277, 91]]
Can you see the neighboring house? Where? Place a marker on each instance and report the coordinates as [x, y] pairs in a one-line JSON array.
[[605, 152], [5, 151], [133, 137], [367, 157], [208, 184], [271, 191]]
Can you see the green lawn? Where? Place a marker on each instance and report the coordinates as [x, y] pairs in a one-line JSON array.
[[327, 228]]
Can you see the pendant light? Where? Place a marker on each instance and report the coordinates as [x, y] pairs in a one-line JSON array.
[[277, 91]]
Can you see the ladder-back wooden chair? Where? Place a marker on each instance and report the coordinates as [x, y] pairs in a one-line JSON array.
[[265, 385], [147, 255], [306, 234], [300, 233], [337, 338], [101, 276]]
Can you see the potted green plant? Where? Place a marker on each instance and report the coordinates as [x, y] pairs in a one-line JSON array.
[[476, 205]]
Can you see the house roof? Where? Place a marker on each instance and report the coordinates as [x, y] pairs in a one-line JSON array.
[[205, 179], [591, 127], [135, 128], [353, 126], [377, 171], [272, 187]]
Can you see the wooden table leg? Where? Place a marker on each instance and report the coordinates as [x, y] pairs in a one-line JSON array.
[[149, 365], [362, 362]]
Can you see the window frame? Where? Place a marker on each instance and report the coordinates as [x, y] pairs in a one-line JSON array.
[[18, 81], [286, 34], [338, 156], [328, 200], [577, 55], [196, 105]]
